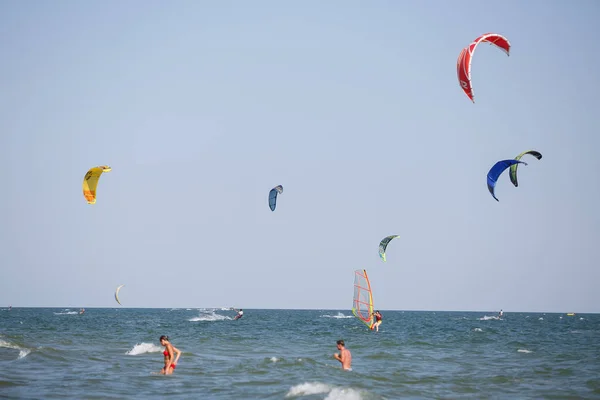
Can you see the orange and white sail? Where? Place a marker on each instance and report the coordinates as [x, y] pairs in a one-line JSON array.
[[362, 302]]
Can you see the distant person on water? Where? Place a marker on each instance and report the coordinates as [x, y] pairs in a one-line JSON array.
[[170, 359], [378, 318], [82, 311], [501, 313], [344, 356], [240, 314]]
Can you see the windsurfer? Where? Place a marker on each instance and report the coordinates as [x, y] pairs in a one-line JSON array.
[[378, 318], [344, 356]]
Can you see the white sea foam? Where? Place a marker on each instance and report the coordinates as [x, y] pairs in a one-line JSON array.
[[66, 312], [307, 389], [274, 359], [478, 330], [490, 317], [333, 393], [524, 351], [343, 394], [337, 316], [209, 315], [142, 348], [22, 352]]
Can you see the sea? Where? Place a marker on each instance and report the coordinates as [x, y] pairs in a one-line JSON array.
[[115, 353]]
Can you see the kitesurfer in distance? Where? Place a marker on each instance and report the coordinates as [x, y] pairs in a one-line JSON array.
[[240, 314], [344, 356], [500, 314], [81, 311], [169, 353], [378, 318]]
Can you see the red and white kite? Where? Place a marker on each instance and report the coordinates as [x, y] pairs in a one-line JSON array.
[[463, 65]]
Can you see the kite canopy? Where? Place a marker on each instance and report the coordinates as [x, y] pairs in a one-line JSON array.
[[117, 293], [463, 65], [496, 171], [90, 182], [273, 196], [513, 168], [383, 246]]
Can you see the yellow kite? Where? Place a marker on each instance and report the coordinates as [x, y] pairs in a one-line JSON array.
[[90, 182], [117, 293]]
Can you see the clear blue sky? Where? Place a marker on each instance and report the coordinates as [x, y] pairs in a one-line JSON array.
[[354, 107]]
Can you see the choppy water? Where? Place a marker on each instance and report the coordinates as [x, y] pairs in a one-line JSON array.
[[111, 353]]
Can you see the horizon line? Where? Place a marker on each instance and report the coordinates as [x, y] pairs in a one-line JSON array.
[[308, 309]]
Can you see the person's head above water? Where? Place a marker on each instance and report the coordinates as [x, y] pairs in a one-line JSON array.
[[163, 337]]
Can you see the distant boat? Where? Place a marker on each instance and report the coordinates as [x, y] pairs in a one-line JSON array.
[[570, 314]]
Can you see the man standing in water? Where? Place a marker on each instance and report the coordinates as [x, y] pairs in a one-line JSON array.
[[345, 357]]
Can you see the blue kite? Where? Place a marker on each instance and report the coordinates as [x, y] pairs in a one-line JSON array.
[[496, 171], [273, 196]]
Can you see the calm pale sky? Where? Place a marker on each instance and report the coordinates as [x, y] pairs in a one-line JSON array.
[[201, 107]]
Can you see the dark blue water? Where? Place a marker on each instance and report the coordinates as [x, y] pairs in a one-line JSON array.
[[112, 353]]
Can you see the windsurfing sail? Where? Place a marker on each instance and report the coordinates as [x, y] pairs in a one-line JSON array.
[[273, 196], [362, 303], [90, 182], [117, 293], [383, 245]]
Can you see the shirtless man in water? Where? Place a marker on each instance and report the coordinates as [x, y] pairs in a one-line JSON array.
[[345, 357]]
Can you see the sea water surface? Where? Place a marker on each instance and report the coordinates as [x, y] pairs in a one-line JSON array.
[[53, 353]]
